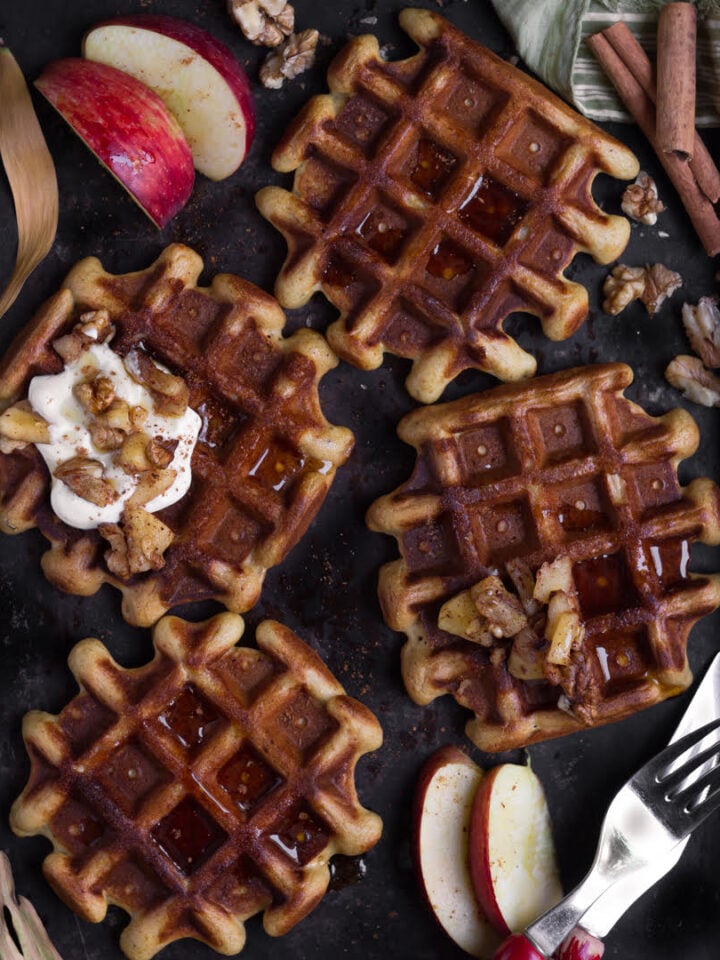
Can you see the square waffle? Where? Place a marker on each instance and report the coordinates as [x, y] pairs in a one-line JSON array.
[[211, 784], [434, 196], [563, 465], [266, 455]]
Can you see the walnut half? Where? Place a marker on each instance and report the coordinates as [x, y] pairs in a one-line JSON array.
[[640, 200], [265, 23], [137, 544], [294, 57], [696, 382], [651, 284]]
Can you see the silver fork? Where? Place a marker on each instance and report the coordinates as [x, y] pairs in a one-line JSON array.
[[655, 810]]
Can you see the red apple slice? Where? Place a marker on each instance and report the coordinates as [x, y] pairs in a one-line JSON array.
[[512, 855], [128, 128], [199, 79], [443, 802]]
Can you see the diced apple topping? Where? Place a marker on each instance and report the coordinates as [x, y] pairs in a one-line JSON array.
[[170, 393], [19, 426]]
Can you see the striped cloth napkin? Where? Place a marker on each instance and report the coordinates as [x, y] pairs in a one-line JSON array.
[[550, 34]]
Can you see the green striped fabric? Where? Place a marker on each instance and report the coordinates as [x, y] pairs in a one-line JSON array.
[[549, 35]]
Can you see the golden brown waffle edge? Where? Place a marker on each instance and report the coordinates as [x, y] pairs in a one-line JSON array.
[[210, 784], [560, 465], [427, 227], [258, 394]]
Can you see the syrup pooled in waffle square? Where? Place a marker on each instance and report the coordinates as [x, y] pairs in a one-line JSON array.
[[265, 456], [211, 784], [563, 466], [434, 196]]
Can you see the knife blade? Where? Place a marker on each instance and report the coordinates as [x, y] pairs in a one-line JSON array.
[[602, 916]]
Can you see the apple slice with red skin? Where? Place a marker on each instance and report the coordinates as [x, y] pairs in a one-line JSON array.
[[128, 128], [512, 855], [443, 803], [579, 944], [198, 77]]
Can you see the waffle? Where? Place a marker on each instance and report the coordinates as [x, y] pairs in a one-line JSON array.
[[563, 465], [434, 196], [211, 784], [265, 458]]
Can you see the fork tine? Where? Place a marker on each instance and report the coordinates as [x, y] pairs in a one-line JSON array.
[[680, 774], [659, 766], [703, 808], [697, 793]]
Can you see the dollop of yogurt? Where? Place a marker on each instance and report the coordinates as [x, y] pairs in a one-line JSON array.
[[52, 397]]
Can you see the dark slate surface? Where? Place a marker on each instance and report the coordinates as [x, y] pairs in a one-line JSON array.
[[326, 588]]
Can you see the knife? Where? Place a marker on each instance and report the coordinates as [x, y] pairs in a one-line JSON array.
[[583, 941], [607, 909]]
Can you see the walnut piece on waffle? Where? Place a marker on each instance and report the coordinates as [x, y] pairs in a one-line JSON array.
[[434, 196], [561, 468], [211, 784], [265, 458]]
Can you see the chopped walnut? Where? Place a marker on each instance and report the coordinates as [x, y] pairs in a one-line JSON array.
[[19, 426], [295, 56], [139, 453], [640, 200], [170, 393], [86, 478], [105, 437], [621, 287], [160, 452], [502, 609], [96, 395], [265, 23], [527, 655], [696, 382], [94, 326], [137, 544], [660, 283], [651, 284], [702, 325]]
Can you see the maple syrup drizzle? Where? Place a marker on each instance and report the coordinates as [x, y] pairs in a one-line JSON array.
[[247, 778], [492, 210], [604, 585], [275, 468], [300, 837], [670, 560], [338, 273], [433, 166], [380, 236], [188, 835], [190, 718], [448, 261]]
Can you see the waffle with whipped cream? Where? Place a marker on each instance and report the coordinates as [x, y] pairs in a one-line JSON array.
[[262, 462]]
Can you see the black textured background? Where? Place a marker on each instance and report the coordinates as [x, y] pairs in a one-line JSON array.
[[326, 588]]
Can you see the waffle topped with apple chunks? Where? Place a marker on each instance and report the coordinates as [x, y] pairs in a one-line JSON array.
[[544, 541], [265, 456], [434, 196], [209, 785]]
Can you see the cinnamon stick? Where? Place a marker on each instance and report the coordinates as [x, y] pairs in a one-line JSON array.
[[676, 37], [636, 60], [642, 109]]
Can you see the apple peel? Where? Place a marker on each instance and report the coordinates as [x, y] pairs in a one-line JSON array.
[[512, 855], [128, 128], [443, 803], [198, 78]]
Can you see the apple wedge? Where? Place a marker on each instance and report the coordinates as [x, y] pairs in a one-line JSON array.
[[128, 128], [443, 803], [512, 855], [197, 77]]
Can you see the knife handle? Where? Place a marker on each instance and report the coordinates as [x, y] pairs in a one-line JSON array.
[[578, 945], [517, 947]]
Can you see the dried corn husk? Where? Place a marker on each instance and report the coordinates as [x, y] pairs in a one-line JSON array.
[[30, 172], [31, 935]]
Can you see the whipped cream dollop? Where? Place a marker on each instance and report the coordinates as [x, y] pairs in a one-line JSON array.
[[52, 398]]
